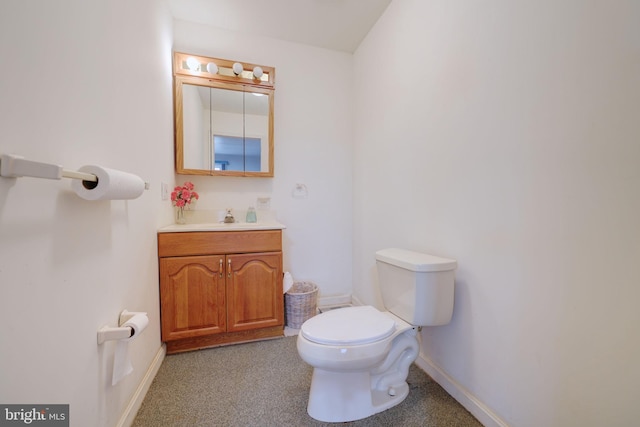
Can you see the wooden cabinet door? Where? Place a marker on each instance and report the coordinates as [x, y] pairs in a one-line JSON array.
[[192, 295], [254, 291]]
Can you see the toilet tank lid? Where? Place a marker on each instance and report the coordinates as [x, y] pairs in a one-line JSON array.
[[415, 261]]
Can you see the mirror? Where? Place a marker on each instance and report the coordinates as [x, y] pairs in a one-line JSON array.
[[223, 120]]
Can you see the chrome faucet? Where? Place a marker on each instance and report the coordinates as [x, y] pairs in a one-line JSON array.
[[228, 218]]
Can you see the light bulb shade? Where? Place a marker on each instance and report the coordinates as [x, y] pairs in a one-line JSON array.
[[212, 68], [193, 64], [237, 68], [257, 72]]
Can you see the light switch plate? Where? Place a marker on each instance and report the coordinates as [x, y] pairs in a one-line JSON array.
[[164, 191]]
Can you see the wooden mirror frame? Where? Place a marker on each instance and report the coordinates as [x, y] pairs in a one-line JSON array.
[[224, 79]]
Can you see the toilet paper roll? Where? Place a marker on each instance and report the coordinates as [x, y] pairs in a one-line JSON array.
[[138, 323], [112, 184], [121, 362]]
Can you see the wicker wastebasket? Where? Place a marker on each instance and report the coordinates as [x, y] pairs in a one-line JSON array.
[[301, 303]]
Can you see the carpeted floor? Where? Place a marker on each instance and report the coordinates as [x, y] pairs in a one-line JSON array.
[[266, 384]]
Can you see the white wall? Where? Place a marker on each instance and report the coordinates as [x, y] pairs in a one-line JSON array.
[[512, 147], [99, 88], [313, 146], [81, 83]]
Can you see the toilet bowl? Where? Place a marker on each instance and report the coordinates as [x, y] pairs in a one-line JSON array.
[[361, 359], [361, 355]]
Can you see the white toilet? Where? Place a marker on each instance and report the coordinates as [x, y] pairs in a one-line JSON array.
[[360, 355]]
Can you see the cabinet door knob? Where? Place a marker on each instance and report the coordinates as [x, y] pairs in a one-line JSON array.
[[221, 268], [229, 268]]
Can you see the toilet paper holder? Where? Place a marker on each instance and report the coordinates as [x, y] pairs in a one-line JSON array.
[[108, 333], [14, 166]]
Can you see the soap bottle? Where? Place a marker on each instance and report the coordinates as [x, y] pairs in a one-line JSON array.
[[251, 215]]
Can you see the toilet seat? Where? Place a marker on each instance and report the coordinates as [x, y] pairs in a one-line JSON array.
[[348, 326]]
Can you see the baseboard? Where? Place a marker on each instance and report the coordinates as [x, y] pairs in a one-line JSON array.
[[334, 300], [355, 300], [132, 408], [478, 409]]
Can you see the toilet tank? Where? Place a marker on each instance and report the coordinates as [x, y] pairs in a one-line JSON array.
[[416, 287]]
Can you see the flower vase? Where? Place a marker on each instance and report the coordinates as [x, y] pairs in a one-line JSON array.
[[180, 218]]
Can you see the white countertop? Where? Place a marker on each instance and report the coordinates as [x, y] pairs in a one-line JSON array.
[[220, 226]]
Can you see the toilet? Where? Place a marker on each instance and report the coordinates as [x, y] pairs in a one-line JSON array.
[[360, 355]]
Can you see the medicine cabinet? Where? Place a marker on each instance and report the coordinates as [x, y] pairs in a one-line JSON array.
[[223, 117]]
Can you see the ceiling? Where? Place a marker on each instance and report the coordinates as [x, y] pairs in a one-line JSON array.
[[332, 24]]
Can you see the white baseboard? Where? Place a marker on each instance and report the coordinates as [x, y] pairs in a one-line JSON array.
[[355, 300], [333, 300], [132, 408], [478, 409]]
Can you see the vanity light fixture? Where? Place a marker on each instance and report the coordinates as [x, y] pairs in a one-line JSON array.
[[237, 68], [223, 70], [193, 64], [212, 68]]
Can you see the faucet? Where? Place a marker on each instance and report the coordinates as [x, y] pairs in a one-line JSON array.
[[228, 218]]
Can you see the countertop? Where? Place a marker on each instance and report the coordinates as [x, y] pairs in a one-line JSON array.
[[220, 226]]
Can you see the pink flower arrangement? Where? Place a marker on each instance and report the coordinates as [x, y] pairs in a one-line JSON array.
[[182, 196]]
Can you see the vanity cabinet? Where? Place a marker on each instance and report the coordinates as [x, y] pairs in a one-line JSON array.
[[220, 287]]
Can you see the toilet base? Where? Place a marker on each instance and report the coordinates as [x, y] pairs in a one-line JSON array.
[[349, 396]]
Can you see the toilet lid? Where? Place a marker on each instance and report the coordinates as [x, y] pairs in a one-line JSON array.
[[351, 326]]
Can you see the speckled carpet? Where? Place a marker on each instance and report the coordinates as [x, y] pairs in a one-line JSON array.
[[264, 384]]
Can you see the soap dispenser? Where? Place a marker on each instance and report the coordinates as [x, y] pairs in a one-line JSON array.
[[251, 215], [228, 218]]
